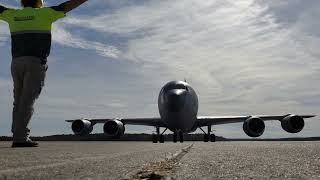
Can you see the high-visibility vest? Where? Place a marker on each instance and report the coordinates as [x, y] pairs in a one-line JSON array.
[[31, 29]]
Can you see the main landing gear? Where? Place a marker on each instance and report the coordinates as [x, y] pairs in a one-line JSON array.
[[158, 137], [208, 136], [175, 136]]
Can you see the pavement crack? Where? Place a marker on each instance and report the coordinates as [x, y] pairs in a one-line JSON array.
[[161, 169]]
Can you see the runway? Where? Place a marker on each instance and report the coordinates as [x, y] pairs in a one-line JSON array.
[[138, 160]]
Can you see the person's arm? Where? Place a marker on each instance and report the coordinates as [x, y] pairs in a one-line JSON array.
[[70, 5]]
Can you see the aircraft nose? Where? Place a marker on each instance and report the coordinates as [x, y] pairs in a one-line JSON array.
[[175, 99]]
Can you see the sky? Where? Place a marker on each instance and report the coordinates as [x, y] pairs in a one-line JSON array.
[[110, 59]]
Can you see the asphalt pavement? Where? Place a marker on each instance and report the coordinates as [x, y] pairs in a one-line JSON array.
[[251, 160], [143, 160]]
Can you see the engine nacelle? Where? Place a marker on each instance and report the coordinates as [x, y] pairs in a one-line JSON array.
[[254, 127], [292, 123], [114, 128], [82, 127]]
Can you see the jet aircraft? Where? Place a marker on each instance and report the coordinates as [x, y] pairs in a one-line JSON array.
[[178, 109]]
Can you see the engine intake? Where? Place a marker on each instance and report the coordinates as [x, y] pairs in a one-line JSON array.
[[82, 127], [114, 128], [292, 123], [254, 127]]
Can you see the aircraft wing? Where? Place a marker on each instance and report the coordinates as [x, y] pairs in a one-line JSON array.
[[156, 122], [216, 120]]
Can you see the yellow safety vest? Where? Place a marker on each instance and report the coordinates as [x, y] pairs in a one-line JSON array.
[[31, 29]]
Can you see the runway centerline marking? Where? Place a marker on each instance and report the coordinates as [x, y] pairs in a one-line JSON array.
[[159, 169]]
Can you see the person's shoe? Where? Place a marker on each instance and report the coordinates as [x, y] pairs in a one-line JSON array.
[[24, 144]]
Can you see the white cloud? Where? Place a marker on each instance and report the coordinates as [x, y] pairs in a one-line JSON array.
[[63, 37], [180, 34]]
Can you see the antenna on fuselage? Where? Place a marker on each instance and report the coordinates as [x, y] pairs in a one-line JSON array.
[[185, 80]]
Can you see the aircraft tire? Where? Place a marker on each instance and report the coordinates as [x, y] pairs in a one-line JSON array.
[[213, 138], [154, 138], [181, 137], [161, 138], [175, 137], [206, 138]]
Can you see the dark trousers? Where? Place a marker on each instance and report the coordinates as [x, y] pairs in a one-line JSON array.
[[28, 74]]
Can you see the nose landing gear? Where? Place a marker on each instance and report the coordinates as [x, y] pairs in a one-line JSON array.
[[181, 136], [175, 136]]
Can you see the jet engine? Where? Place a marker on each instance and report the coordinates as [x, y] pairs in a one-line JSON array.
[[114, 128], [82, 127], [292, 123], [254, 127]]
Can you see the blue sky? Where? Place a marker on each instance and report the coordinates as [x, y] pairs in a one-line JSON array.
[[110, 58]]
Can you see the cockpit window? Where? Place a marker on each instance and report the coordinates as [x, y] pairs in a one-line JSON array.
[[175, 85]]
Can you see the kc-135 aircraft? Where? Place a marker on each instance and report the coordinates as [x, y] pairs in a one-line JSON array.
[[178, 108]]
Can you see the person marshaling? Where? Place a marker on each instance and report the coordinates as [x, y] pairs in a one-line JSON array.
[[30, 29]]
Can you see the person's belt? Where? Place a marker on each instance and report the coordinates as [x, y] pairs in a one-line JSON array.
[[43, 61]]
